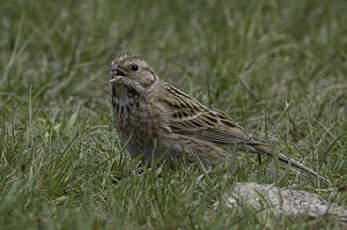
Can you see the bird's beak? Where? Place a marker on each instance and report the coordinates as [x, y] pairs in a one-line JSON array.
[[116, 73]]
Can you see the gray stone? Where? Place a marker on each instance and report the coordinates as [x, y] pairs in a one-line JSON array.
[[283, 201]]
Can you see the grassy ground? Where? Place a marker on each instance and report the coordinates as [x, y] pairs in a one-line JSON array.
[[279, 68]]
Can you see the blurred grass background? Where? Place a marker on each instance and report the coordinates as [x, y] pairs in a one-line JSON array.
[[277, 67]]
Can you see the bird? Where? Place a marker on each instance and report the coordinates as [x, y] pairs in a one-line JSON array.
[[156, 121]]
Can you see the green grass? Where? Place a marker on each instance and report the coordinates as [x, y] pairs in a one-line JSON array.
[[279, 68]]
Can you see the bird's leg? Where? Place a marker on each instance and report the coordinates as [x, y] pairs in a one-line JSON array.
[[259, 159]]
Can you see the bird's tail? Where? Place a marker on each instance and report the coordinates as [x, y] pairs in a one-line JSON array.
[[263, 149]]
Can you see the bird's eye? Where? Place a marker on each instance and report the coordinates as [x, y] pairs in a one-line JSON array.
[[134, 67]]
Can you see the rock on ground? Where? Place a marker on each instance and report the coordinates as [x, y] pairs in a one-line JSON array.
[[284, 201]]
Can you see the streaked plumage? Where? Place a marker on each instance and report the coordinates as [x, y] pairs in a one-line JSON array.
[[157, 121]]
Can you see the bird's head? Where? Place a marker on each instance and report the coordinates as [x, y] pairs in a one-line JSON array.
[[133, 73]]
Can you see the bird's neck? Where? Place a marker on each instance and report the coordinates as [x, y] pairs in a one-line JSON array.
[[123, 95]]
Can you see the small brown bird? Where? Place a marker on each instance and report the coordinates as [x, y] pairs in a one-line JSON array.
[[155, 120]]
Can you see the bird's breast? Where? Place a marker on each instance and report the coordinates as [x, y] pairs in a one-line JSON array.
[[136, 118]]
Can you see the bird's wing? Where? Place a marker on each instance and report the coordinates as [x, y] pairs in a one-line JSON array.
[[187, 116]]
